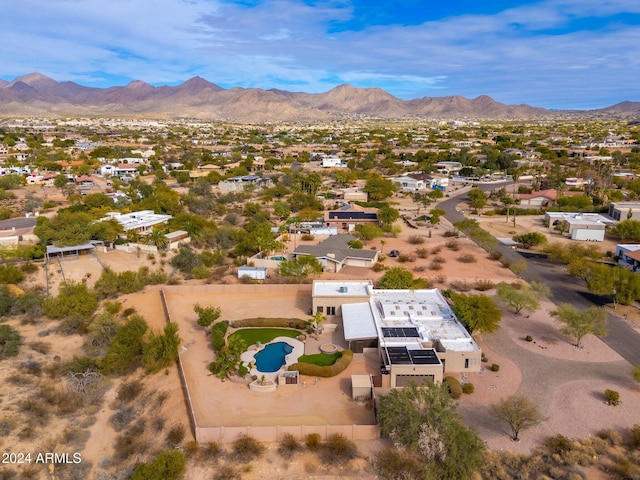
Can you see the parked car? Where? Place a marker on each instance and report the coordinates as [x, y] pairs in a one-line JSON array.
[[394, 253]]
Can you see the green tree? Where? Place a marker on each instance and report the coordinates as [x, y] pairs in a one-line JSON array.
[[398, 278], [578, 323], [532, 239], [387, 216], [74, 299], [161, 350], [167, 465], [622, 285], [229, 359], [60, 181], [477, 198], [301, 267], [626, 230], [378, 188], [125, 352], [368, 231], [478, 313], [518, 298], [207, 315], [422, 420], [9, 342], [518, 412]]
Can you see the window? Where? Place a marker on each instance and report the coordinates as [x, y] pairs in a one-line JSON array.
[[331, 310], [466, 363], [320, 309]]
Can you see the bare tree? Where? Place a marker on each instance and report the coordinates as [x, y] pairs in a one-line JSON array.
[[518, 412]]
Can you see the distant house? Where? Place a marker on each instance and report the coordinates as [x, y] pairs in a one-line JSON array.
[[84, 181], [541, 199], [582, 226], [334, 253], [241, 182], [121, 170], [448, 168], [177, 239], [624, 211], [349, 216], [331, 161], [628, 256], [408, 183], [141, 222]]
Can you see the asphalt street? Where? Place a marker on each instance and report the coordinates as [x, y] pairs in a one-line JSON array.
[[621, 337]]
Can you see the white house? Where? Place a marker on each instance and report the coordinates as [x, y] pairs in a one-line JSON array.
[[409, 184], [331, 161], [628, 256]]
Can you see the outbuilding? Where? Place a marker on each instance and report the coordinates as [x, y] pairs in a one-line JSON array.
[[254, 273]]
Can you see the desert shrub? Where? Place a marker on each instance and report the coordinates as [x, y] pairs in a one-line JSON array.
[[10, 274], [460, 285], [438, 259], [378, 267], [611, 436], [451, 233], [227, 472], [129, 391], [31, 367], [467, 258], [73, 300], [337, 449], [495, 367], [200, 272], [313, 441], [422, 252], [289, 445], [406, 257], [175, 436], [127, 312], [330, 371], [452, 244], [393, 463], [455, 389], [9, 342], [307, 237], [29, 267], [247, 449], [634, 437], [529, 338], [435, 266], [468, 388], [40, 346], [167, 465], [436, 250], [613, 397], [122, 418], [506, 263], [495, 255], [416, 240], [161, 350], [382, 257], [483, 285]]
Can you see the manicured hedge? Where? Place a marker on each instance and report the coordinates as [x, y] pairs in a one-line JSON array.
[[331, 371], [296, 323], [455, 389]]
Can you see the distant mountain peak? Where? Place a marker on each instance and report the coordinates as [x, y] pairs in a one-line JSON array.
[[35, 79], [138, 84]]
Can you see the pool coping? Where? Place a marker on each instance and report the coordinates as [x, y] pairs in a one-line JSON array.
[[248, 357]]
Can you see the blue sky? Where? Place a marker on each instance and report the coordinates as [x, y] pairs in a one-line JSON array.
[[548, 53]]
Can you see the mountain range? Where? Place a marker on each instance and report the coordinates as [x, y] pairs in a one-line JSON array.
[[38, 95]]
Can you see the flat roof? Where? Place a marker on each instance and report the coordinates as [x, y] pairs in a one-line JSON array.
[[356, 288], [358, 322]]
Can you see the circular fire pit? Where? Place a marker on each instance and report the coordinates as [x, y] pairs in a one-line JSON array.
[[328, 348]]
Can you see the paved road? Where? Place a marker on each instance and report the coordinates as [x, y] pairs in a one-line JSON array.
[[17, 223], [564, 289]]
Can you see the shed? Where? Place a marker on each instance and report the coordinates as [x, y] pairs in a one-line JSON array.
[[255, 273], [361, 387]]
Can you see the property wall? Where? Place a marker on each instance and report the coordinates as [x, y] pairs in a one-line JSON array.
[[275, 433]]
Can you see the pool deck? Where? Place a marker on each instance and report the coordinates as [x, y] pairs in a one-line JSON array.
[[249, 358]]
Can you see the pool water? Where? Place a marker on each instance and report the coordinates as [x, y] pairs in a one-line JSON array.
[[279, 259], [272, 357]]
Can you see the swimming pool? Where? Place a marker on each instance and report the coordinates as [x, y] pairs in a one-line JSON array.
[[272, 356], [278, 258]]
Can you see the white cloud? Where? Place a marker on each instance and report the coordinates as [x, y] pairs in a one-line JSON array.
[[522, 54]]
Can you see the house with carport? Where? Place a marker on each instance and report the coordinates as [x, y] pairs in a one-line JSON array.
[[334, 253], [415, 332]]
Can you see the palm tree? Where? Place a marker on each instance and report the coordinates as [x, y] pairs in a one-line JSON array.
[[158, 239], [316, 321]]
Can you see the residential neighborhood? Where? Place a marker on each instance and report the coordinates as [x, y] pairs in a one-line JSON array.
[[376, 260]]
